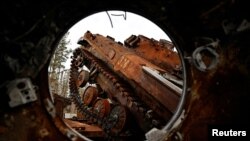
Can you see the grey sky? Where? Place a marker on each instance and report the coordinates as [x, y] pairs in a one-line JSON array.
[[117, 24]]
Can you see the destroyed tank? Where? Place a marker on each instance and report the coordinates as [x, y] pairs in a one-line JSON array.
[[130, 87]]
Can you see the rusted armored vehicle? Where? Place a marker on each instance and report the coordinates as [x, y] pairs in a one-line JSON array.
[[129, 87]]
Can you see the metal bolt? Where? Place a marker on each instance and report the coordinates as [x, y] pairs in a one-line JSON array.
[[205, 58]]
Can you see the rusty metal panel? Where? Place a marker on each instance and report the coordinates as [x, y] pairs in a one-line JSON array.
[[128, 63]]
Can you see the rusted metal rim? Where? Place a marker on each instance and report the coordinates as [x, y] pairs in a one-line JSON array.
[[180, 106]]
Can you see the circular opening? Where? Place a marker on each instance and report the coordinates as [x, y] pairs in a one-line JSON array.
[[130, 63]]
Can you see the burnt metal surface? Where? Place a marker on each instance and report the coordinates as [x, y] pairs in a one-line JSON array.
[[155, 52], [121, 91], [129, 65], [220, 95], [121, 76]]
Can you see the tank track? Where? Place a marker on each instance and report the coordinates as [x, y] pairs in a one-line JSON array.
[[110, 124]]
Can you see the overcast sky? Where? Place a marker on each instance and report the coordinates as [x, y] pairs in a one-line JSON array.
[[117, 24]]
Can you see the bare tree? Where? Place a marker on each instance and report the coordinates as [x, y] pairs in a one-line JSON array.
[[57, 72]]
